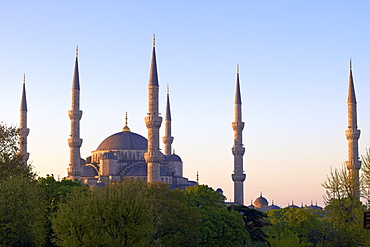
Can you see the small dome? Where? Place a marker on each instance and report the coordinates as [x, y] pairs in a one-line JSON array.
[[261, 202], [274, 207], [124, 140], [172, 158]]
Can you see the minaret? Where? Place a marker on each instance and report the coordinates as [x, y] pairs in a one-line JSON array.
[[167, 139], [238, 149], [153, 156], [353, 134], [75, 142], [23, 130]]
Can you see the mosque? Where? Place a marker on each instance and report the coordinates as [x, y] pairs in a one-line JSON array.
[[126, 154]]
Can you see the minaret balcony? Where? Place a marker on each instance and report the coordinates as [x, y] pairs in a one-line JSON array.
[[238, 150], [238, 177], [75, 114], [353, 164], [238, 126], [23, 132], [352, 134], [167, 139], [153, 157], [74, 142], [153, 121]]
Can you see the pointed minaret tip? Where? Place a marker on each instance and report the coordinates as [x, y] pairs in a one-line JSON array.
[[237, 90], [76, 76], [24, 99], [153, 77], [351, 87]]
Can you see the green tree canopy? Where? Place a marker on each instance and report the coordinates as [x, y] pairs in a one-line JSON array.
[[11, 163], [21, 213], [116, 215], [218, 226]]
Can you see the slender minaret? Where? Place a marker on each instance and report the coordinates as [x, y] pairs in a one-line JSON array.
[[167, 139], [353, 134], [238, 149], [153, 157], [75, 142], [23, 130]]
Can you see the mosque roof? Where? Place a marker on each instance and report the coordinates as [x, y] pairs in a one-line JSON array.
[[124, 140], [89, 171], [172, 158]]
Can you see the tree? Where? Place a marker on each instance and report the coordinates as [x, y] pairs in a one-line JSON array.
[[344, 212], [56, 192], [21, 213], [11, 162], [217, 226], [175, 222], [116, 215], [365, 176], [254, 222], [292, 222]]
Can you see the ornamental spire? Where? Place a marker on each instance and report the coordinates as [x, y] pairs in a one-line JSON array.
[[126, 128]]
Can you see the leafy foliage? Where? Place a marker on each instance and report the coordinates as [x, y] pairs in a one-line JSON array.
[[21, 213], [116, 215], [11, 162], [254, 222], [218, 226], [175, 222]]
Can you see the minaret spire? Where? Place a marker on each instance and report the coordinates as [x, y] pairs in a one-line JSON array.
[[153, 157], [75, 114], [23, 130], [238, 149], [168, 139], [353, 134]]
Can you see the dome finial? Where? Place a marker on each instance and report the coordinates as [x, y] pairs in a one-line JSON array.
[[126, 128], [197, 178]]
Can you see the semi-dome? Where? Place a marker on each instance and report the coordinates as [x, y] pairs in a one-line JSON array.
[[172, 158], [124, 140]]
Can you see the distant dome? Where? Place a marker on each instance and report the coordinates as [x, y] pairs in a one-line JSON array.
[[274, 206], [124, 140], [261, 202], [89, 171]]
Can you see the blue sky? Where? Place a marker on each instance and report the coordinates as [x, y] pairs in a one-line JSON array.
[[294, 66]]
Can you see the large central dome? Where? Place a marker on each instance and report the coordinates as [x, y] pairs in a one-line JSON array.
[[124, 140]]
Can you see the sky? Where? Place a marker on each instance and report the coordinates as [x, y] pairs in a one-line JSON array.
[[294, 66]]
